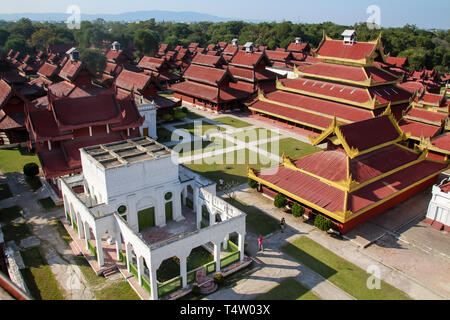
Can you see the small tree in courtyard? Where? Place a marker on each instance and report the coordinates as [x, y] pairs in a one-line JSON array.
[[280, 201], [298, 210], [252, 183], [323, 223], [31, 170]]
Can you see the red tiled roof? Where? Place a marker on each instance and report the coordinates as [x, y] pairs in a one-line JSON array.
[[348, 73], [128, 80], [306, 187], [412, 86], [392, 184], [11, 121], [397, 61], [61, 89], [211, 76], [442, 142], [436, 117], [5, 92], [230, 50], [76, 113], [329, 108], [278, 55], [209, 93], [299, 116], [48, 70], [249, 60], [419, 129], [297, 47], [207, 60], [151, 63], [369, 133], [71, 69], [337, 49]]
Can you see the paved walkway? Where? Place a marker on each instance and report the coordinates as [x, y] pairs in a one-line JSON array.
[[418, 288]]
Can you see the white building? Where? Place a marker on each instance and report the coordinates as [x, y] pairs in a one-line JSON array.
[[136, 196], [438, 215]]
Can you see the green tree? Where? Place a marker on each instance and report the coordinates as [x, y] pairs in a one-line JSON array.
[[4, 34], [16, 42], [95, 60], [41, 38], [147, 42]]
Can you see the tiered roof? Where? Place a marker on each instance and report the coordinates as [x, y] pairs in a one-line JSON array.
[[366, 167]]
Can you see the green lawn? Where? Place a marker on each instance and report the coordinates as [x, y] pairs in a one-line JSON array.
[[13, 160], [61, 230], [257, 222], [39, 277], [293, 148], [119, 291], [288, 290], [164, 135], [236, 123], [340, 272], [5, 192], [199, 128], [231, 167], [193, 115], [253, 135], [91, 277], [47, 204], [194, 148]]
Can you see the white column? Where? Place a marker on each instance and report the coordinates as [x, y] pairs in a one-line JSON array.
[[153, 282], [140, 267], [225, 242], [98, 242], [128, 255], [217, 256], [241, 246], [118, 245], [80, 227], [177, 209], [212, 219], [87, 233], [199, 215], [196, 196], [183, 271]]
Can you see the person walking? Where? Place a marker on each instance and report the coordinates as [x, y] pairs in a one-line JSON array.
[[283, 225], [260, 243]]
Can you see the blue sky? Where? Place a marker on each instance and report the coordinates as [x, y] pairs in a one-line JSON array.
[[423, 13]]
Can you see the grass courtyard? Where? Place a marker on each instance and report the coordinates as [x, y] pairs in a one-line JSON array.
[[233, 122], [288, 290], [200, 128], [254, 135], [340, 272], [13, 160], [293, 148], [257, 221], [231, 167]]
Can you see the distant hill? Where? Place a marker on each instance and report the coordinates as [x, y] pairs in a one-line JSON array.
[[126, 17]]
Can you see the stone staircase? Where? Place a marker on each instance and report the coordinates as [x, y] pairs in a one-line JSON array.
[[110, 271], [4, 138], [206, 285]]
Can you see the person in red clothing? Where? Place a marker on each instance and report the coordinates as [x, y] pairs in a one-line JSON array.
[[260, 244]]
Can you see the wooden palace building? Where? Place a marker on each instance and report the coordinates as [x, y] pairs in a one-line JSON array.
[[365, 171], [344, 84]]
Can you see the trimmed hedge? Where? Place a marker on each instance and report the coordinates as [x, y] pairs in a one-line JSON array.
[[252, 183], [323, 223], [31, 170], [298, 210], [167, 117], [280, 201], [180, 115]]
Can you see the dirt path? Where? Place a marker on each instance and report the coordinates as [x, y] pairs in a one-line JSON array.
[[57, 253]]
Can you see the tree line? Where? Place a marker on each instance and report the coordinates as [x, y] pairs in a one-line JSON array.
[[424, 48]]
